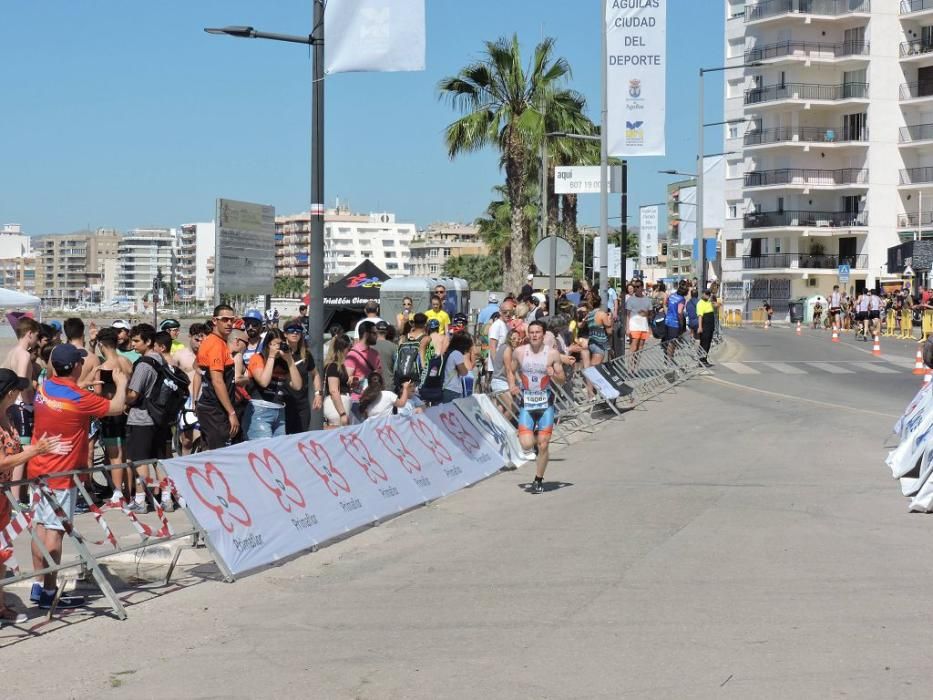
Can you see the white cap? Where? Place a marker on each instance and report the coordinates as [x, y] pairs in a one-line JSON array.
[[493, 299], [530, 277]]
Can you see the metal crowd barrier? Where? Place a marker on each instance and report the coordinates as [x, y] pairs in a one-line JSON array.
[[88, 553]]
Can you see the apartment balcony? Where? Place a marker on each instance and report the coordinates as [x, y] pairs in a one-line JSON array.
[[774, 11], [912, 178], [919, 91], [916, 9], [803, 261], [805, 219], [912, 220], [805, 136], [917, 51], [809, 51], [805, 93], [806, 179], [915, 135]]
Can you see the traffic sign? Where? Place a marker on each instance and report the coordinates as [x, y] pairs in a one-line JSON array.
[[844, 271], [542, 255]]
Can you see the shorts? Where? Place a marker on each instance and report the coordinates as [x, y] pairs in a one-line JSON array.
[[331, 415], [145, 443], [215, 426], [861, 316], [541, 422], [113, 431], [497, 386], [596, 347], [638, 335], [45, 515], [672, 333], [22, 417], [874, 314], [835, 310]]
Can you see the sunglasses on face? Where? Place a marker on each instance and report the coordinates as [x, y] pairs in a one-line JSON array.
[[293, 331], [225, 319]]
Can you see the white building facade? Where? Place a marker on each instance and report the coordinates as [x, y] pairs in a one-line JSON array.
[[194, 268], [349, 239], [141, 254], [837, 149]]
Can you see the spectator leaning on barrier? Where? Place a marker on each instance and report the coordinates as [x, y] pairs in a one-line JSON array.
[[12, 455], [337, 402], [216, 414], [63, 412], [386, 349], [362, 359]]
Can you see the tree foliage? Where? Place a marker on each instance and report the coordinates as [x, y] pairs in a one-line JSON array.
[[482, 272]]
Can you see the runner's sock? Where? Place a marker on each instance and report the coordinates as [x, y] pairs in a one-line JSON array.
[[117, 496]]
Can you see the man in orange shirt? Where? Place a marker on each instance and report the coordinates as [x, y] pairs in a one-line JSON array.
[[216, 414], [63, 413]]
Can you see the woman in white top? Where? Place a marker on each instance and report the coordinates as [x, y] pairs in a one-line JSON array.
[[457, 365], [376, 401]]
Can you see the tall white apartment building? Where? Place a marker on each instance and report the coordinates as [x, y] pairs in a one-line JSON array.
[[141, 254], [349, 239], [834, 164], [194, 267]]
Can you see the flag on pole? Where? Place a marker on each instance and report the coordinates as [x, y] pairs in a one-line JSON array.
[[374, 35]]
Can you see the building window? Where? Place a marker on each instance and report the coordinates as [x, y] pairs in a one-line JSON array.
[[390, 254], [432, 268], [446, 252], [388, 243], [730, 248], [733, 211], [733, 131]]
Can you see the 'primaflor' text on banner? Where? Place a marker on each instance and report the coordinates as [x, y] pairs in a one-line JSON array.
[[637, 65]]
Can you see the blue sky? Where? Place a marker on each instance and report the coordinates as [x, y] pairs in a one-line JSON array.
[[126, 114]]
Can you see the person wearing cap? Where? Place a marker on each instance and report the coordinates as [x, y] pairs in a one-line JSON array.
[[437, 313], [63, 412], [173, 328], [252, 324], [124, 347], [13, 455], [363, 359], [372, 315], [216, 413], [492, 306], [297, 408], [386, 349]]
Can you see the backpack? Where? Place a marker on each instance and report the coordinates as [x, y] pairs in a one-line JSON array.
[[168, 395], [432, 382], [408, 362], [659, 327]]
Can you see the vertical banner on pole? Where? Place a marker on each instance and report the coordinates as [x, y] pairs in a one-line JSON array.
[[636, 71], [648, 232]]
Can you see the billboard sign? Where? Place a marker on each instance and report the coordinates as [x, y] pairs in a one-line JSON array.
[[244, 259]]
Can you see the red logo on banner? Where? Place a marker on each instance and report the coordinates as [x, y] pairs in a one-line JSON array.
[[360, 454], [214, 492], [426, 437], [319, 460], [453, 424], [393, 443], [270, 471]]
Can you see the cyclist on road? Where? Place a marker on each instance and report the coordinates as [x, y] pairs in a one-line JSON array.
[[535, 367]]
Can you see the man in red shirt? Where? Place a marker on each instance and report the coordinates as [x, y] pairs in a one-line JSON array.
[[363, 359], [216, 414], [63, 412]]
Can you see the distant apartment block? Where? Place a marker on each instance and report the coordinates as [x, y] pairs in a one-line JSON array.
[[349, 239], [75, 267], [435, 245], [142, 254], [194, 268]]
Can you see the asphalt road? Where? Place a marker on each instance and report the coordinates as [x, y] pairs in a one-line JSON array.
[[740, 537]]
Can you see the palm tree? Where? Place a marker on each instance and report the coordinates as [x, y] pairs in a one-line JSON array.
[[504, 105], [495, 226]]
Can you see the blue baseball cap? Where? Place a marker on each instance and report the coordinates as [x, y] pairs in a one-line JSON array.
[[434, 325], [254, 314], [65, 356], [57, 325]]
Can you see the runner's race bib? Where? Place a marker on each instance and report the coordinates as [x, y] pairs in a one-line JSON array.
[[535, 400]]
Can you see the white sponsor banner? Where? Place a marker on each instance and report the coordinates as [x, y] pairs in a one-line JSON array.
[[649, 223], [263, 500], [481, 411], [374, 35], [636, 72]]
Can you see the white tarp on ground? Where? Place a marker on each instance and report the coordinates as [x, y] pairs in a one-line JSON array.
[[263, 500]]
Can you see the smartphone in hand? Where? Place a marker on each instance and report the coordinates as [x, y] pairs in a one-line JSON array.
[[106, 376]]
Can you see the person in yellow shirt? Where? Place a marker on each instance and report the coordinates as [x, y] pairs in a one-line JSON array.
[[707, 315], [436, 313]]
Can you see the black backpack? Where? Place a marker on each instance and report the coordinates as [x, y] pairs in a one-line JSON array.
[[432, 385], [408, 362], [168, 395]]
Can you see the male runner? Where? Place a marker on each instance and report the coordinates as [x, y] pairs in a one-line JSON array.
[[835, 306], [537, 367]]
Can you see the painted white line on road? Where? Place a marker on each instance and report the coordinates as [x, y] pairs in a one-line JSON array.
[[784, 368], [831, 368], [775, 394], [739, 368], [874, 367]]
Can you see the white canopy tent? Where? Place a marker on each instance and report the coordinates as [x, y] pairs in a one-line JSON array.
[[11, 300]]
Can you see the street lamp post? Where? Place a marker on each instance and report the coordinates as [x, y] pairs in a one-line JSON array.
[[156, 289], [316, 212]]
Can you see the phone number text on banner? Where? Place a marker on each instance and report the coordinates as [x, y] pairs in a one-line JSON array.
[[263, 500]]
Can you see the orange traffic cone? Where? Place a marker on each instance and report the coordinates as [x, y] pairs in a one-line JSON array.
[[918, 363], [835, 333], [799, 331], [876, 348]]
